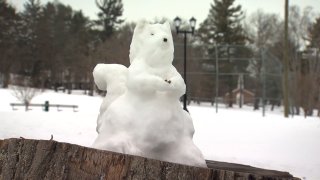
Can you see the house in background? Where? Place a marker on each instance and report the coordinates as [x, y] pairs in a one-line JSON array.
[[240, 95]]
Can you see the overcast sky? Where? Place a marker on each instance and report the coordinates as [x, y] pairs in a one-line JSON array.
[[149, 9]]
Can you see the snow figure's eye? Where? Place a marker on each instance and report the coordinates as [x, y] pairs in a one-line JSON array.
[[152, 34]]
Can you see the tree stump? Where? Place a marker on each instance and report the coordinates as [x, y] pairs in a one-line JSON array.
[[48, 159]]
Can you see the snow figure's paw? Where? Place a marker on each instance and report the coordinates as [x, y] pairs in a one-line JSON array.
[[177, 86], [163, 85]]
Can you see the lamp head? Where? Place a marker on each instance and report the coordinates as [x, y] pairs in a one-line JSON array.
[[177, 23], [192, 22]]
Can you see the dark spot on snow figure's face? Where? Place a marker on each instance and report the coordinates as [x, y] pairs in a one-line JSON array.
[[160, 36]]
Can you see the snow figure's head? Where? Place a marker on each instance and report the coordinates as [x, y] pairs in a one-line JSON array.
[[153, 43]]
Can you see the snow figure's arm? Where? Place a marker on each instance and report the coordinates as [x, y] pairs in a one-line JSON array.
[[177, 83], [139, 79]]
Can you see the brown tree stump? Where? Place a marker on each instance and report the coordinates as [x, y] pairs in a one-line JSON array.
[[47, 159]]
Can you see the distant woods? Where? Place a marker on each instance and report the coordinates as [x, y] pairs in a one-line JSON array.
[[57, 47]]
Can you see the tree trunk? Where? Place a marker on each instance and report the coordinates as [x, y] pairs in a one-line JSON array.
[[26, 105], [297, 110], [6, 80], [286, 62], [47, 159], [230, 103], [272, 106], [256, 103]]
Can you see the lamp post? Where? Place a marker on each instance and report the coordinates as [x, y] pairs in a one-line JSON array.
[[192, 22]]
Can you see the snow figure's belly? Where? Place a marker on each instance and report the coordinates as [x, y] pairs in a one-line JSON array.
[[147, 119], [151, 122], [152, 126]]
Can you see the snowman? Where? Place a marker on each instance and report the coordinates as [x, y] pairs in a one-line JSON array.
[[141, 113]]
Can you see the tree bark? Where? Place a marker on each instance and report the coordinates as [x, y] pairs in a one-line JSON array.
[[48, 159]]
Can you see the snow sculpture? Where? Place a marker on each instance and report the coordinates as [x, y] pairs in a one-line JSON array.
[[141, 114]]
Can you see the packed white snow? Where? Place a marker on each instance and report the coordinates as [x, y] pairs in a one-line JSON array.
[[147, 118], [231, 135], [115, 75]]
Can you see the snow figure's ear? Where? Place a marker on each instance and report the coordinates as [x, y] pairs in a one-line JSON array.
[[167, 24], [136, 40], [167, 27], [140, 26]]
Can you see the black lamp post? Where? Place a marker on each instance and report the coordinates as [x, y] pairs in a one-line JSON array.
[[192, 22]]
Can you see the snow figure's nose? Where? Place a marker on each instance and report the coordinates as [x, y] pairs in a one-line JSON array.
[[165, 39]]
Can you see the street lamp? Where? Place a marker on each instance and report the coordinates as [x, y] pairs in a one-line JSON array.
[[177, 22]]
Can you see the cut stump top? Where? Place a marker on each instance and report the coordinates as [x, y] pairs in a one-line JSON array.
[[47, 159]]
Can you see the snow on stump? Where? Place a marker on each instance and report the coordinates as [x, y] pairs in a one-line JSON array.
[[47, 159]]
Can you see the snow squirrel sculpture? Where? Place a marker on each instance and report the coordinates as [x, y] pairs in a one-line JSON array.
[[141, 114]]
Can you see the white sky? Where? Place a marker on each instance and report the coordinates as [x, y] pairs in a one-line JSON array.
[[149, 9]]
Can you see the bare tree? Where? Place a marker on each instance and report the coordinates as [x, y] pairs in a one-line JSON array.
[[309, 81], [24, 93], [262, 30], [301, 78], [300, 21]]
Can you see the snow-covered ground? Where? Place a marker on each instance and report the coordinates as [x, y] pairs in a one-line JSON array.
[[232, 135]]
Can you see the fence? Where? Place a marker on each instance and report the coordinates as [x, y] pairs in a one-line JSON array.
[[225, 75]]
